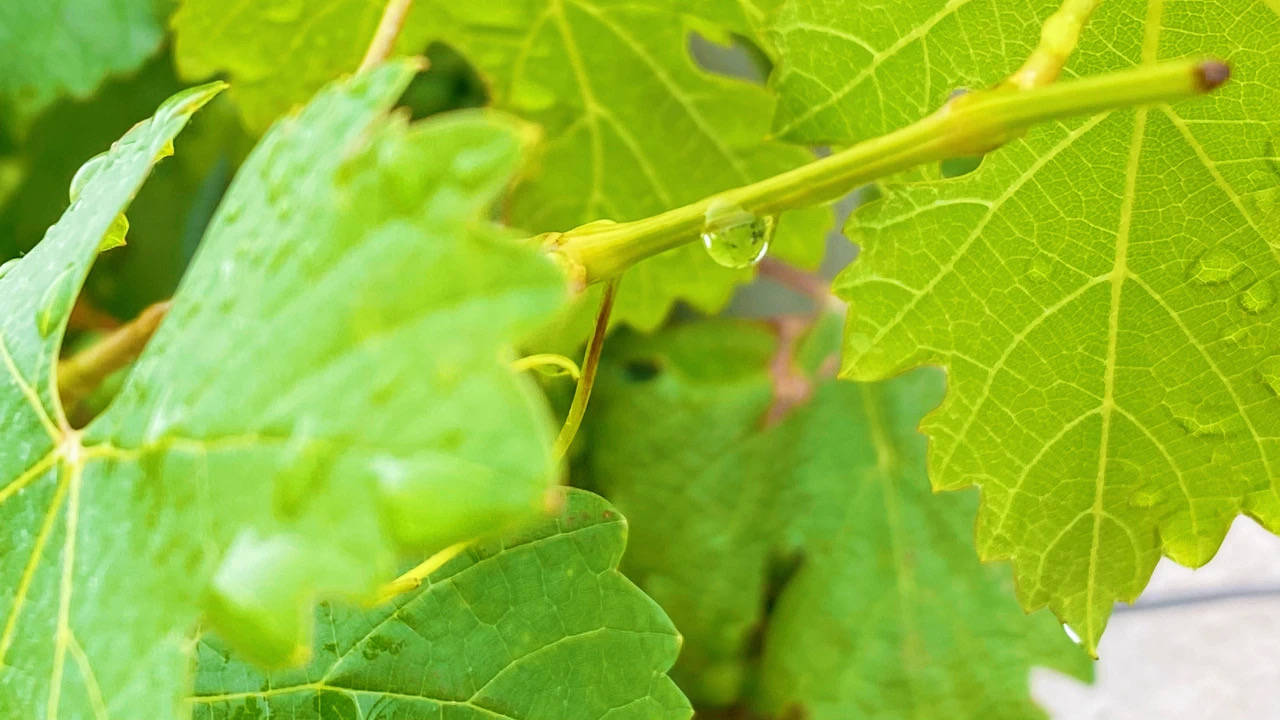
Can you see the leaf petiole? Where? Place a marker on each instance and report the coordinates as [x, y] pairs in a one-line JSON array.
[[591, 363]]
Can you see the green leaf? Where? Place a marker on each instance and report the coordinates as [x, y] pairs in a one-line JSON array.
[[167, 217], [814, 539], [330, 386], [632, 126], [277, 52], [1102, 294], [537, 625], [849, 71], [51, 50]]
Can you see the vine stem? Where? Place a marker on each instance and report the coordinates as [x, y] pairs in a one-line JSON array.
[[968, 125], [590, 363], [413, 579], [384, 38], [83, 372]]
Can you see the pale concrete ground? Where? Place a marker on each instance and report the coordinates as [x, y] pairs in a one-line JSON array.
[[1206, 646]]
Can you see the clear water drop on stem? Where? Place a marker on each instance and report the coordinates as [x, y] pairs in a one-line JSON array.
[[735, 238]]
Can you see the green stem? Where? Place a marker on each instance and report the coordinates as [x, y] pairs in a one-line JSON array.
[[590, 363], [1058, 40], [969, 125]]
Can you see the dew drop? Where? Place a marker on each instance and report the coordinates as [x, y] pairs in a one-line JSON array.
[[1269, 369], [735, 238], [1258, 297], [1206, 419], [1146, 498], [1216, 267], [1245, 338], [55, 304], [87, 171], [1040, 267]]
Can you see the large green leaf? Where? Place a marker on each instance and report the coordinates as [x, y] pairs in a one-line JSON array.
[[806, 562], [330, 386], [537, 625], [632, 126], [51, 50], [1103, 295]]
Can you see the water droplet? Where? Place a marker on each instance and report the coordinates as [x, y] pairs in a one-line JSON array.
[[735, 238], [1216, 267], [1264, 201], [56, 303], [1040, 267], [86, 173], [857, 343], [530, 96], [1205, 419], [1258, 297], [1269, 369], [1248, 337], [1147, 497]]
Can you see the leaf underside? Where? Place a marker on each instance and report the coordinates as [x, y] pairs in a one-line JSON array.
[[1102, 292]]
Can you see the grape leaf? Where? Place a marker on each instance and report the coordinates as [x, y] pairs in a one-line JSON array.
[[633, 128], [51, 51], [850, 70], [610, 81], [271, 443], [278, 52], [1102, 294], [815, 539], [539, 624]]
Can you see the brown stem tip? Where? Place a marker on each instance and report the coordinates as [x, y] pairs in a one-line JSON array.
[[1211, 74]]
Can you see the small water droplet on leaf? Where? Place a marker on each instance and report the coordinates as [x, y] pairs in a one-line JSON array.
[[1269, 369], [1216, 266], [1258, 297], [87, 171], [55, 304], [735, 238]]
